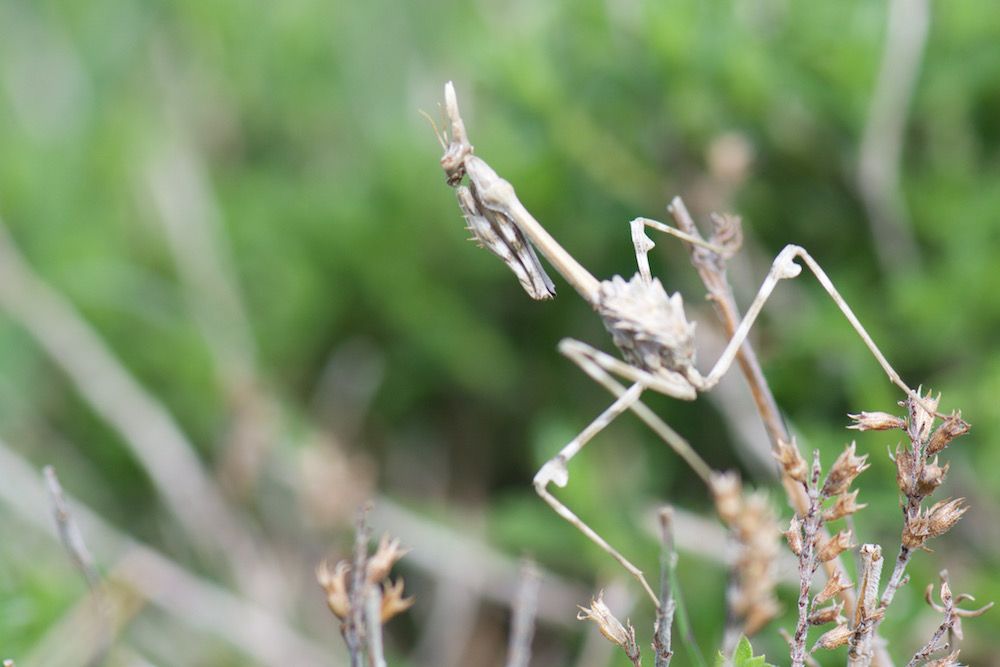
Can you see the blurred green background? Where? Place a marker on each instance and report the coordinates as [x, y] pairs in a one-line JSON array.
[[243, 202]]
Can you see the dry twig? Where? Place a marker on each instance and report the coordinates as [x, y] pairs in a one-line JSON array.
[[665, 610], [522, 627]]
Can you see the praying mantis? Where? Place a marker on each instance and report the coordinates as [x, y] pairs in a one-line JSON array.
[[647, 325]]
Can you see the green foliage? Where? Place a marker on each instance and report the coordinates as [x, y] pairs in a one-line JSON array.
[[742, 657]]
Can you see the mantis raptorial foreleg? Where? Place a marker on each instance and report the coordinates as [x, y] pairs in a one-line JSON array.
[[597, 365]]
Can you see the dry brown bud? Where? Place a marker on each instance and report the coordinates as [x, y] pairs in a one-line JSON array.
[[947, 661], [845, 505], [906, 470], [876, 421], [727, 491], [915, 532], [826, 614], [834, 638], [919, 420], [794, 535], [844, 470], [335, 585], [931, 477], [951, 428], [393, 602], [835, 546], [792, 463], [945, 514], [835, 585], [612, 629], [381, 562]]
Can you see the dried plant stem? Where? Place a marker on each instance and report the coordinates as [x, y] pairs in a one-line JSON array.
[[665, 611], [684, 627], [354, 625], [950, 619], [898, 577], [879, 155], [523, 619], [712, 272], [373, 625], [72, 539], [868, 612], [146, 427], [69, 532], [256, 630], [808, 563]]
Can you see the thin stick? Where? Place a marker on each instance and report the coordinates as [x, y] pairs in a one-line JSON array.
[[711, 269], [72, 539], [373, 625], [69, 532], [665, 610], [253, 629], [950, 618], [144, 424], [354, 626], [880, 152], [866, 615], [523, 620], [808, 562], [684, 623]]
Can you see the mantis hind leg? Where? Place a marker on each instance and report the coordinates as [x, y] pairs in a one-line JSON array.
[[555, 471]]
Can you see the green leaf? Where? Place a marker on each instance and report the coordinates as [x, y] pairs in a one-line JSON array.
[[742, 657]]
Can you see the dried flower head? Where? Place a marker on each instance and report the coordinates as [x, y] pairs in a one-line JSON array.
[[835, 585], [950, 660], [834, 546], [612, 629], [931, 477], [933, 522], [791, 461], [382, 561], [844, 470], [945, 514], [845, 505], [335, 584], [728, 494], [393, 602], [952, 427], [907, 469], [876, 421], [834, 638], [648, 326], [751, 598], [827, 614], [919, 421], [794, 535]]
